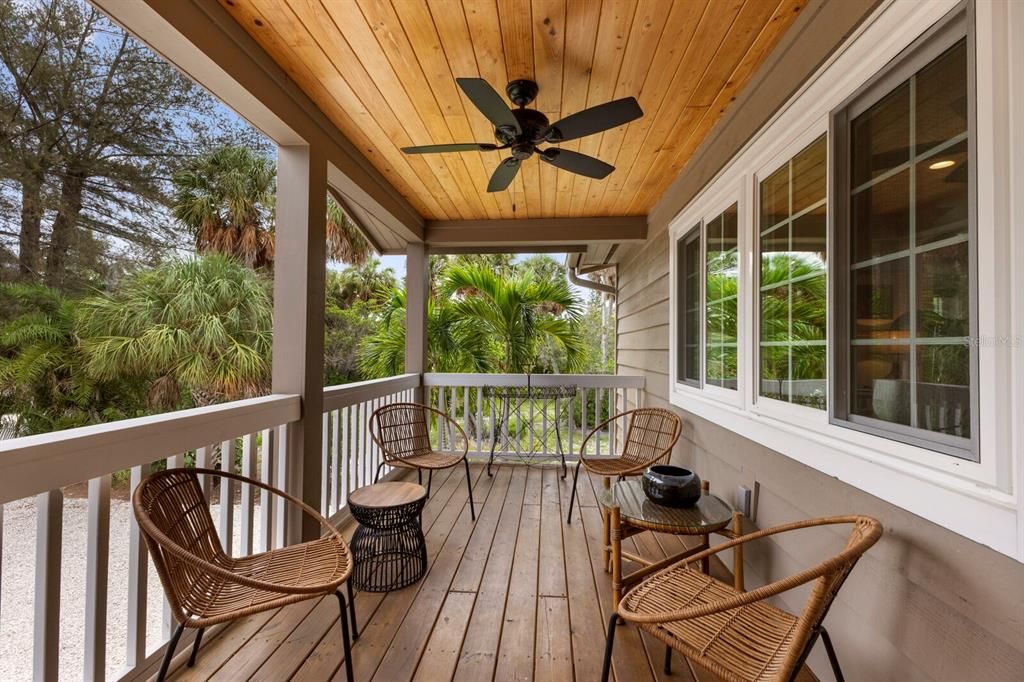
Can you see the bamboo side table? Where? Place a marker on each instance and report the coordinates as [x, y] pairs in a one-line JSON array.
[[626, 511]]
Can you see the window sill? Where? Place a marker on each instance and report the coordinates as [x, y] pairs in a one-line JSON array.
[[955, 498]]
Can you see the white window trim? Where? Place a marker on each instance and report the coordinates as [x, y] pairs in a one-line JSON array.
[[979, 500]]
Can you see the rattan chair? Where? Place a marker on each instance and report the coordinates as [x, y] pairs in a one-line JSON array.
[[650, 436], [205, 586], [738, 635], [402, 432]]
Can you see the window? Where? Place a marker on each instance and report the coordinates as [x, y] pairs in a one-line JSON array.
[[721, 286], [689, 297], [905, 242], [792, 284]]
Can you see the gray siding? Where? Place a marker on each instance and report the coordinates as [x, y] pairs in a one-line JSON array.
[[923, 604]]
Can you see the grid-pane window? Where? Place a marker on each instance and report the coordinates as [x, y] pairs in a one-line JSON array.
[[909, 256], [721, 286], [793, 291], [688, 313]]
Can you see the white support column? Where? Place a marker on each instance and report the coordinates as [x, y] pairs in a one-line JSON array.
[[417, 289], [298, 360]]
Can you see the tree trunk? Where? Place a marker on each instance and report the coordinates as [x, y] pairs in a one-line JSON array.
[[64, 226], [31, 219]]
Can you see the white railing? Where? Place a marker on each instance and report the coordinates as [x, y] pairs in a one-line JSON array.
[[72, 487], [349, 457], [538, 422], [94, 544]]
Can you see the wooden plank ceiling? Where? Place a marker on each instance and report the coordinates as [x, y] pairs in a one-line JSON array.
[[384, 72]]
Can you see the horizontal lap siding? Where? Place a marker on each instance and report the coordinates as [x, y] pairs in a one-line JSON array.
[[923, 604]]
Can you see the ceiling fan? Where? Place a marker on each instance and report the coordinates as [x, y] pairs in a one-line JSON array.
[[522, 130]]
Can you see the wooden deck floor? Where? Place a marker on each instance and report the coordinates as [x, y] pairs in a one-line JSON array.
[[519, 595]]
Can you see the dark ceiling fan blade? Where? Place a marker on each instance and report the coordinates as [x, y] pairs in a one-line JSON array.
[[575, 162], [440, 148], [503, 175], [489, 102], [594, 120]]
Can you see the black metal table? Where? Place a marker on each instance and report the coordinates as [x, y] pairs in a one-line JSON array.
[[508, 401], [388, 547]]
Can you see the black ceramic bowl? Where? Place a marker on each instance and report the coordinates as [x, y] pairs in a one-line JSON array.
[[671, 486]]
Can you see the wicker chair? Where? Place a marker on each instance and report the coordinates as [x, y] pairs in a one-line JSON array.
[[738, 635], [205, 586], [402, 432], [650, 436]]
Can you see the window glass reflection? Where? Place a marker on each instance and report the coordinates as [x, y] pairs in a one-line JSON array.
[[721, 287], [910, 360], [793, 288]]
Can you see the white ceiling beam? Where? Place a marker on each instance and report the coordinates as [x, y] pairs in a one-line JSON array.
[[534, 232]]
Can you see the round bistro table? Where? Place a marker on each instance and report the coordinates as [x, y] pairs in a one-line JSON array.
[[626, 511], [388, 547]]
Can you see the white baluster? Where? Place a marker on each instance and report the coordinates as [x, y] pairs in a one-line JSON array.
[[336, 458], [49, 535], [137, 573], [325, 464], [266, 476], [203, 462], [281, 482], [246, 509], [167, 621], [227, 498], [346, 454], [479, 420], [96, 564]]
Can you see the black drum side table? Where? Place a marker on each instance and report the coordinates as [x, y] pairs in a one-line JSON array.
[[388, 548]]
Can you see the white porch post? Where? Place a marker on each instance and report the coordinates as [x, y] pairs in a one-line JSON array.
[[298, 358], [417, 289]]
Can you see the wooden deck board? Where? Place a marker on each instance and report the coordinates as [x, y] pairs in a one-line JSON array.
[[519, 595], [477, 659]]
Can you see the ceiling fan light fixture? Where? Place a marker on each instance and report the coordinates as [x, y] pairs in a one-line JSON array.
[[939, 165]]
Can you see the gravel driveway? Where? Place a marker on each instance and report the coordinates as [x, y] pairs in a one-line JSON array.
[[17, 581]]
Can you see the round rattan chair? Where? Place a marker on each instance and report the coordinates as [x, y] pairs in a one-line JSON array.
[[205, 586], [738, 635], [402, 431], [650, 436]]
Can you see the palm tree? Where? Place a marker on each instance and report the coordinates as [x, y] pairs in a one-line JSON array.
[[42, 369], [364, 282], [196, 329], [226, 199], [454, 344], [345, 243], [517, 313]]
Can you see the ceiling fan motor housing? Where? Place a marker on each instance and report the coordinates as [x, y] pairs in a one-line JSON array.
[[522, 92]]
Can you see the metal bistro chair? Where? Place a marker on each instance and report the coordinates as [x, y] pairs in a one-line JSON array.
[[650, 436], [205, 586], [738, 635], [402, 431]]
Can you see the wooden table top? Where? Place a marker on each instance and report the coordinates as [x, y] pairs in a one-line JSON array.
[[387, 494]]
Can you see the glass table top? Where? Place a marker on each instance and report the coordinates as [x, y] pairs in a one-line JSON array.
[[711, 512]]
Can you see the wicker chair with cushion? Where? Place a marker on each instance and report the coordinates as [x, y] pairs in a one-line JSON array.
[[402, 431], [205, 586], [650, 436], [739, 635]]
